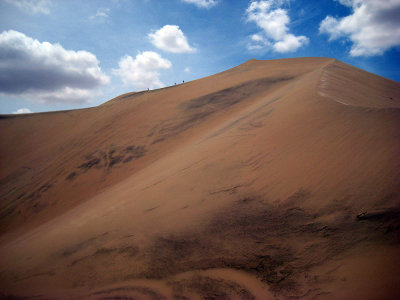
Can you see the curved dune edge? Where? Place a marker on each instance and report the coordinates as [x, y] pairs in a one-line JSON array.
[[354, 87], [213, 283]]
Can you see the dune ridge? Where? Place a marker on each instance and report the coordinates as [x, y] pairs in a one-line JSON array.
[[358, 84], [272, 180]]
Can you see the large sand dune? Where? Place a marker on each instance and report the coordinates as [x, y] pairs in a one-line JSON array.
[[272, 180]]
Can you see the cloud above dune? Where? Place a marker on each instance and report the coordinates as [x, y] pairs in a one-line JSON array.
[[32, 6], [45, 72], [143, 71], [101, 13], [373, 27], [171, 39], [202, 3], [273, 21], [22, 111]]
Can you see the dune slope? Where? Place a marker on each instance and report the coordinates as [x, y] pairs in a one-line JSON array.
[[271, 180]]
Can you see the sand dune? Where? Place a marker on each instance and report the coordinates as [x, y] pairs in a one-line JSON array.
[[271, 180]]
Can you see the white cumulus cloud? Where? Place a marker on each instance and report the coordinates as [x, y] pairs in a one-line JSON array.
[[290, 43], [62, 95], [40, 70], [273, 20], [373, 26], [32, 6], [22, 111], [345, 2], [171, 39], [143, 71], [202, 3], [101, 13]]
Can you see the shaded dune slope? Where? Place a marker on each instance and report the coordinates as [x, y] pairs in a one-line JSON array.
[[271, 180]]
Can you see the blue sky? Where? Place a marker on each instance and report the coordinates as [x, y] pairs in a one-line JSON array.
[[59, 54]]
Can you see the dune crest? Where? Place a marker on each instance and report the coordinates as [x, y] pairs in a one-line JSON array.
[[351, 86]]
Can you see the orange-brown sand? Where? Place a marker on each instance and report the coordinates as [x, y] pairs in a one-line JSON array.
[[271, 180]]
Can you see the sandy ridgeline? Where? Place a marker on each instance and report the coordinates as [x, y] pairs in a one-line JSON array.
[[272, 180]]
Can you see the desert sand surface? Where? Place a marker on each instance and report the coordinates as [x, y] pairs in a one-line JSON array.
[[275, 179]]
